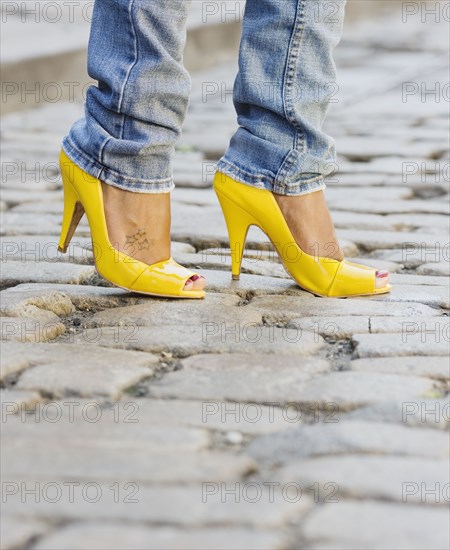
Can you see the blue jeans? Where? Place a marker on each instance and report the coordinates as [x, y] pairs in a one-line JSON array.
[[133, 117]]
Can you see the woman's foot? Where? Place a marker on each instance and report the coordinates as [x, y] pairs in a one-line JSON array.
[[311, 224], [139, 226]]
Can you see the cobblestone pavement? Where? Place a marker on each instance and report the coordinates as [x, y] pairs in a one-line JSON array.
[[260, 417]]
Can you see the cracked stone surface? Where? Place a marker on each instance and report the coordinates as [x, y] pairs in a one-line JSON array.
[[135, 432], [71, 369], [180, 506], [261, 417], [213, 311], [53, 463], [107, 535], [293, 307], [246, 379], [427, 412], [16, 533], [382, 526], [336, 438], [209, 337], [13, 400], [14, 273], [429, 367], [391, 345], [371, 476], [21, 329]]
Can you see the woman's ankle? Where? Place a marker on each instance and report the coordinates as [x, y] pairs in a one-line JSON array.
[[311, 224]]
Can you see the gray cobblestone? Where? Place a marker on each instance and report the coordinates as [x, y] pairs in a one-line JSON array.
[[430, 367], [21, 329], [412, 254], [238, 377], [419, 343], [82, 370], [50, 300], [51, 462], [247, 417], [372, 477], [421, 412], [375, 240], [84, 536], [292, 307], [234, 337], [441, 269], [39, 248], [44, 248], [347, 389], [15, 273], [183, 505], [436, 296], [381, 526], [17, 533], [13, 400], [215, 309], [334, 436], [99, 427], [422, 280]]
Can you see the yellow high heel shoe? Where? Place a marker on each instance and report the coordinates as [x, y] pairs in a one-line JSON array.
[[83, 194], [244, 206]]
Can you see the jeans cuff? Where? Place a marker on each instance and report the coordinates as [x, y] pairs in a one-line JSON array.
[[295, 188], [97, 170]]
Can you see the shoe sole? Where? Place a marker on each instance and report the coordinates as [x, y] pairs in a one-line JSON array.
[[154, 293]]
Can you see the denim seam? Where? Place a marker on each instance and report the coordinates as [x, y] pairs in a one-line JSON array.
[[103, 169], [130, 68], [132, 65], [289, 111], [101, 155], [293, 57], [285, 167]]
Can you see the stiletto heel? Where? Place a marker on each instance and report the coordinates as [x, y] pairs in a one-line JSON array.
[[244, 205], [83, 193], [73, 212], [238, 223]]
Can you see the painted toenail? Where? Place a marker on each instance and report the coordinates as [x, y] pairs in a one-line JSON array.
[[382, 274]]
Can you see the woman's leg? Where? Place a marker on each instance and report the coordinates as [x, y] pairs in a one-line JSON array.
[[282, 92], [286, 81], [133, 118]]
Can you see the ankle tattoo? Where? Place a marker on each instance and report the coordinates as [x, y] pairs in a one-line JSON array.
[[138, 241]]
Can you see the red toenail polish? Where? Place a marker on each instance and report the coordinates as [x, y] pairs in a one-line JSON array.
[[382, 273], [195, 277]]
